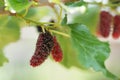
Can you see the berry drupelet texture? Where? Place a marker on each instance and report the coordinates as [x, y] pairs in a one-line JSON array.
[[116, 27], [57, 51], [105, 23], [43, 47]]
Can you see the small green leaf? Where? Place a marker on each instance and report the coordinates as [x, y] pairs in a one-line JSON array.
[[19, 5], [3, 59], [64, 21], [9, 30], [91, 51], [76, 4]]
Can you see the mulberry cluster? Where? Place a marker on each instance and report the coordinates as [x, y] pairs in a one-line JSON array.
[[105, 23], [106, 20], [46, 43], [116, 27]]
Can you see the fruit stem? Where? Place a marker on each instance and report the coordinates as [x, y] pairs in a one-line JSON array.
[[60, 15], [39, 23], [60, 33], [64, 7]]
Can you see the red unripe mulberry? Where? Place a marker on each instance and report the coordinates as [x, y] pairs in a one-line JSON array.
[[57, 51], [105, 23], [116, 27]]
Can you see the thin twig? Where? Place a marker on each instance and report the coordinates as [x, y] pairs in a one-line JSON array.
[[60, 33]]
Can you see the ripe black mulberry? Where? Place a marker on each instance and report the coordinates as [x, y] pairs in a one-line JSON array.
[[44, 45]]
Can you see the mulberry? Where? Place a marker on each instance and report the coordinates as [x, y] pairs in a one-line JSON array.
[[56, 51], [116, 27], [43, 47], [105, 23]]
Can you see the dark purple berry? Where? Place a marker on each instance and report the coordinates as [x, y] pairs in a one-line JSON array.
[[43, 47]]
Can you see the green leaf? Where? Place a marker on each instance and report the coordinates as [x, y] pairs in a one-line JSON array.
[[64, 21], [9, 30], [19, 5], [91, 51], [114, 1], [90, 18], [69, 54], [55, 1], [3, 59], [1, 3], [34, 13], [76, 4], [37, 13]]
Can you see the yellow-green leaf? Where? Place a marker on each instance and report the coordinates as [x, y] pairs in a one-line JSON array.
[[9, 30], [55, 1], [3, 59], [19, 5]]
